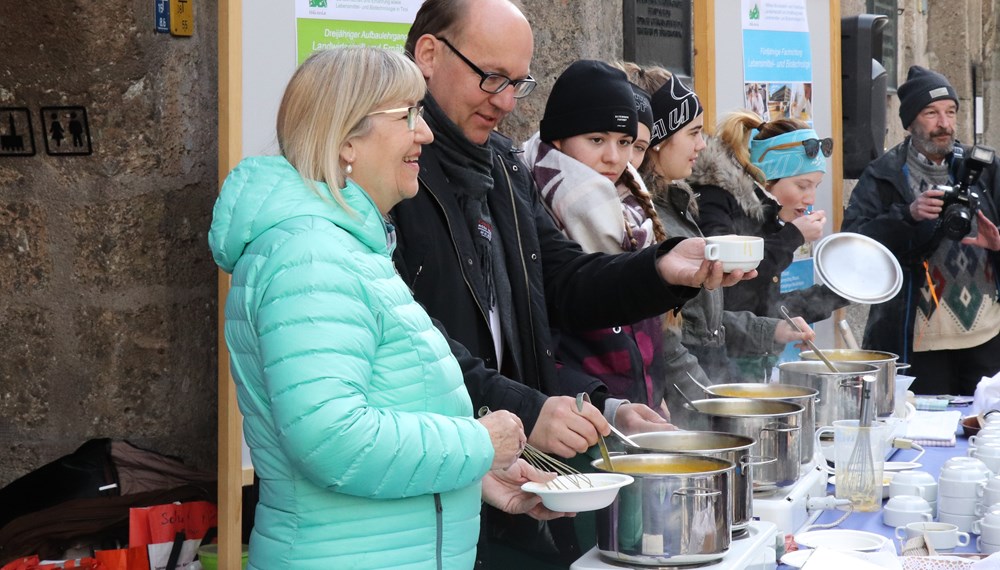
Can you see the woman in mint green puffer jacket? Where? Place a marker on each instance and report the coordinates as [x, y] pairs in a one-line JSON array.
[[359, 424]]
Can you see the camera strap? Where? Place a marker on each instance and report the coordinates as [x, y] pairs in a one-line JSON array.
[[934, 297]]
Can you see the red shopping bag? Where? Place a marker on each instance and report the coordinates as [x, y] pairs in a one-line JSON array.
[[33, 563], [135, 558], [171, 533]]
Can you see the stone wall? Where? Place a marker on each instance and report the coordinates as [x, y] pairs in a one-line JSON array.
[[107, 288]]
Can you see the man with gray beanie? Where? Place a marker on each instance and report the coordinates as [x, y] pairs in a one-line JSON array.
[[946, 318]]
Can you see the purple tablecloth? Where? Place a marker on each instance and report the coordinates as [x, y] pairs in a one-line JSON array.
[[931, 462]]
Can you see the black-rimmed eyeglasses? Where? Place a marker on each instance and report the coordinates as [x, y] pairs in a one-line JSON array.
[[494, 82], [812, 147], [411, 114]]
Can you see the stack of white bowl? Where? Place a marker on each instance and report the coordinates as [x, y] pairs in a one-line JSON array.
[[985, 446], [960, 490], [902, 510], [988, 530], [915, 483]]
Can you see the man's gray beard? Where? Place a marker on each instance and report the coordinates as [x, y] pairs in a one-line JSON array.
[[927, 147]]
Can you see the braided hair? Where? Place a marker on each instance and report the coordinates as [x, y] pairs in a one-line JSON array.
[[645, 201]]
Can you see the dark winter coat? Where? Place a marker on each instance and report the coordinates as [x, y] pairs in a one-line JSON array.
[[880, 209], [553, 284]]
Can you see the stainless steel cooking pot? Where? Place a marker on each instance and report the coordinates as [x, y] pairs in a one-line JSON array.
[[728, 446], [676, 512], [839, 392], [776, 425], [885, 380], [805, 396]]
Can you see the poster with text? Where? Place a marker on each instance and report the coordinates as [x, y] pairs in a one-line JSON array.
[[777, 60], [322, 24], [777, 80]]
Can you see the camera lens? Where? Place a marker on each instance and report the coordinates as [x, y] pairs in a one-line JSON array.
[[956, 221]]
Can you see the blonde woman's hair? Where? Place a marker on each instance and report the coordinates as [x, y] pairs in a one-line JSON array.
[[736, 128], [649, 77], [327, 102]]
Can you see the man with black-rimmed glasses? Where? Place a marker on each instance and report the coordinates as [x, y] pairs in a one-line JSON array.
[[484, 257]]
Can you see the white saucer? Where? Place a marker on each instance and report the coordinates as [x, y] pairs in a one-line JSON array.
[[841, 539], [797, 558], [900, 465]]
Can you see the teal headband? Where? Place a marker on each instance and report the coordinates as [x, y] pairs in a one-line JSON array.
[[785, 162]]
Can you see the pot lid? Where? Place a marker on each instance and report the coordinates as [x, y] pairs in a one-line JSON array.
[[858, 268]]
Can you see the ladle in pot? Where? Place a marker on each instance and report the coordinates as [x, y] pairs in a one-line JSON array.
[[809, 343], [580, 399], [686, 399], [703, 387]]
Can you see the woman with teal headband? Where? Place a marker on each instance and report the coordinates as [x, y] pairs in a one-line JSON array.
[[757, 178]]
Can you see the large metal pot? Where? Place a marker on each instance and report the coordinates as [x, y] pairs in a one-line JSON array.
[[839, 392], [728, 446], [776, 425], [885, 380], [804, 396], [676, 511]]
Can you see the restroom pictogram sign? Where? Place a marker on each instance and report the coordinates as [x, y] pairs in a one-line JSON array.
[[66, 131]]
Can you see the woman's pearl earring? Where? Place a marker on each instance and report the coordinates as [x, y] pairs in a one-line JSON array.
[[349, 168], [656, 148]]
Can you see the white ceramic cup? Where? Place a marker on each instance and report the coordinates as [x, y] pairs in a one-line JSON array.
[[991, 496], [902, 510], [989, 453], [942, 536], [993, 484], [963, 460], [989, 532], [735, 252], [918, 483], [962, 506], [991, 417], [951, 489], [986, 547], [992, 516], [981, 438], [963, 522], [960, 480]]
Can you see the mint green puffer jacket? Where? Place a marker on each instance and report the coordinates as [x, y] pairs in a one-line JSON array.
[[358, 422]]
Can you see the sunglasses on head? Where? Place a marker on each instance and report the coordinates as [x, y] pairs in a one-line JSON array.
[[812, 147]]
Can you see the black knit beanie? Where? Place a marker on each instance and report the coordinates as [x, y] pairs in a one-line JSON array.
[[589, 97], [643, 106], [922, 87], [674, 106]]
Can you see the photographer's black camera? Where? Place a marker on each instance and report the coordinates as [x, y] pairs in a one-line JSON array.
[[961, 200]]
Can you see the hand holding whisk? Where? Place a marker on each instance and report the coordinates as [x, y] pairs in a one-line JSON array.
[[506, 434], [542, 461]]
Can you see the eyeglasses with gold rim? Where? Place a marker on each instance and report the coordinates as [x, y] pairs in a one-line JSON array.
[[412, 113]]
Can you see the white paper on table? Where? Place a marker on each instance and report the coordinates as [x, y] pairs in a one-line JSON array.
[[933, 428]]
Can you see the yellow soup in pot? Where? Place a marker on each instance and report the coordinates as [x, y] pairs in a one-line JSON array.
[[683, 467], [742, 393]]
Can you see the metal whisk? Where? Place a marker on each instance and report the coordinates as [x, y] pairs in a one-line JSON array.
[[568, 477], [860, 485]]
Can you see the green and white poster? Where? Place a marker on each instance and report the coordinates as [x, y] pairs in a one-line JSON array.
[[322, 24]]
